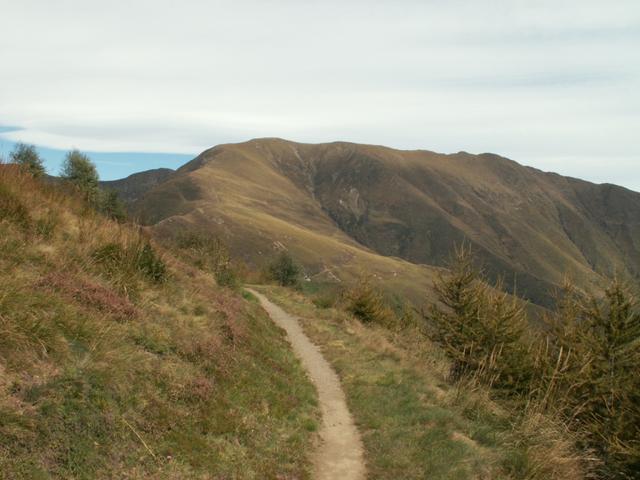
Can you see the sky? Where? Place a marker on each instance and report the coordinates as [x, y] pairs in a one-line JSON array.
[[140, 84]]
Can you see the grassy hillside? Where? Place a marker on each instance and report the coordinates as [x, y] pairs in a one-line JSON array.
[[135, 186], [415, 422], [118, 361], [555, 402], [258, 211], [342, 207]]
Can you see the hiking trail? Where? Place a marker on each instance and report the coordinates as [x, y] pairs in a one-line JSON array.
[[340, 454]]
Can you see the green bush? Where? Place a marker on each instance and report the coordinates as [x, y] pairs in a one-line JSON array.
[[110, 205], [226, 277], [137, 258], [150, 264], [44, 227], [481, 329], [249, 296], [110, 255], [324, 301], [583, 368], [367, 304], [79, 170], [323, 295], [284, 270], [593, 360], [27, 157]]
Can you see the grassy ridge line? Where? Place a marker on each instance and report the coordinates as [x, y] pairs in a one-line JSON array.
[[342, 208], [256, 209], [414, 423], [111, 367]]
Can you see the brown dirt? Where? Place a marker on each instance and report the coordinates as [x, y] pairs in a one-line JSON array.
[[340, 454]]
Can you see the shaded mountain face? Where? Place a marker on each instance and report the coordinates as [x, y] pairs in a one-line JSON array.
[[133, 187], [343, 208]]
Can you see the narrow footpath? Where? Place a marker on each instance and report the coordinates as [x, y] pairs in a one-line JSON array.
[[340, 454]]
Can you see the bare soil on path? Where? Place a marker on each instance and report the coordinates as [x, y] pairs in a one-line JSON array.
[[340, 455]]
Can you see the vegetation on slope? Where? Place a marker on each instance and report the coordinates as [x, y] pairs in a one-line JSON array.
[[118, 361], [342, 207], [27, 157], [415, 422], [236, 193], [160, 372], [284, 270], [580, 369], [573, 380]]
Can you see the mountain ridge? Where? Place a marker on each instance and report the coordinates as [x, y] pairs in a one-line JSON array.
[[131, 188], [534, 227]]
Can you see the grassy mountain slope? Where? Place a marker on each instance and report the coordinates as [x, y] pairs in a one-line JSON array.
[[341, 207], [135, 186], [258, 210], [118, 361]]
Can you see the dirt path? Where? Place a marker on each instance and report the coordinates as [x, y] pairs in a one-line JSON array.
[[340, 455]]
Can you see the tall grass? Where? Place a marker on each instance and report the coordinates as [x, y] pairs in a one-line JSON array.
[[208, 253]]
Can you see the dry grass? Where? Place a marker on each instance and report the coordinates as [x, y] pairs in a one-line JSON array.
[[339, 208], [107, 373], [415, 423], [258, 212], [90, 294]]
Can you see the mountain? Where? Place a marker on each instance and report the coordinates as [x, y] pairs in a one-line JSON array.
[[343, 208], [124, 358], [135, 186]]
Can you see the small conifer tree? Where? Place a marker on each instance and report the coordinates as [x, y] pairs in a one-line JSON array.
[[595, 343], [111, 205], [284, 270], [481, 329], [367, 304]]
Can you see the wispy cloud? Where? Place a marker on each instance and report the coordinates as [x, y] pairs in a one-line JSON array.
[[547, 82]]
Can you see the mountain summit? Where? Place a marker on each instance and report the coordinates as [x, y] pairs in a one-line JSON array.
[[341, 207]]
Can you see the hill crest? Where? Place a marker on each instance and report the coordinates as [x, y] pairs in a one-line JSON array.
[[332, 202]]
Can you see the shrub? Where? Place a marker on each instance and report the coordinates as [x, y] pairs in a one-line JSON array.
[[80, 171], [27, 157], [44, 227], [284, 270], [366, 303], [597, 344], [481, 329], [323, 301], [582, 369], [249, 296], [150, 264], [137, 258], [323, 295], [225, 276], [110, 255], [209, 253], [110, 205]]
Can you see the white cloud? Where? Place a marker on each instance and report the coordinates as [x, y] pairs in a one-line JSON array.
[[537, 81]]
